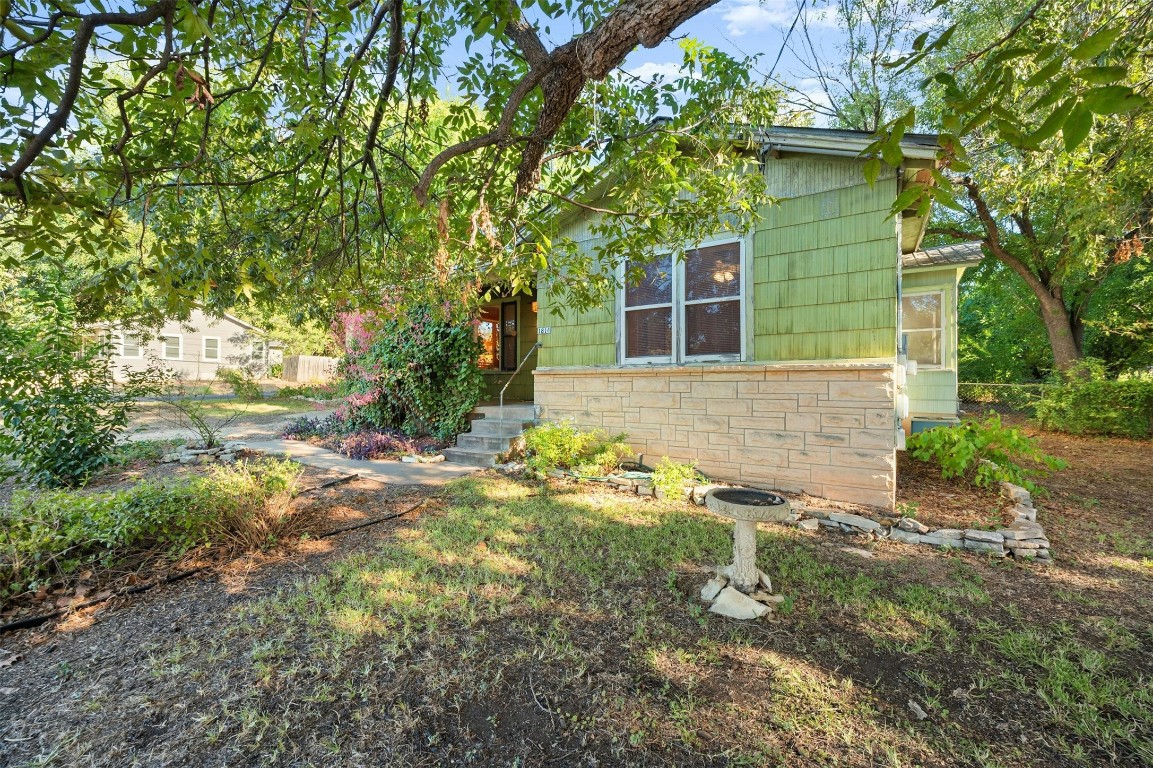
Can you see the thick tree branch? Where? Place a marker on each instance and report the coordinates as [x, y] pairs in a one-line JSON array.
[[87, 26]]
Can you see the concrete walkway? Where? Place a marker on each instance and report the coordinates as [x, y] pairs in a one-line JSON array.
[[381, 470]]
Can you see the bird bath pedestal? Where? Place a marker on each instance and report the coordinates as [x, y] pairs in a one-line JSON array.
[[746, 507]]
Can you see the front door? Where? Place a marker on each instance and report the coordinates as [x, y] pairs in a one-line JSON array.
[[508, 324]]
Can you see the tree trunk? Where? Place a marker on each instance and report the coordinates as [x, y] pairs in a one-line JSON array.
[[1059, 327]]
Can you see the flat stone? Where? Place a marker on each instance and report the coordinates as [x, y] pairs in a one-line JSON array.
[[624, 482], [1017, 494], [188, 459], [762, 596], [828, 523], [227, 458], [988, 537], [168, 458], [1021, 530], [944, 537], [912, 526], [205, 458], [699, 491], [410, 459], [712, 588], [985, 546], [859, 552], [855, 521], [1022, 512], [808, 524], [645, 490], [737, 605], [905, 537], [435, 459], [820, 514], [917, 711], [1030, 544], [199, 451]]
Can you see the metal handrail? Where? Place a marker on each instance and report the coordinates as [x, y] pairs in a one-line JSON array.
[[523, 360]]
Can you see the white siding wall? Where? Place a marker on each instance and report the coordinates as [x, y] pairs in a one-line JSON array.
[[235, 345]]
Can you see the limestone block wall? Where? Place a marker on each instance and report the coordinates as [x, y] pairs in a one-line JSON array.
[[826, 429]]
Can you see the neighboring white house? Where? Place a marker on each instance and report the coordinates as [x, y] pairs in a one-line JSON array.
[[195, 348]]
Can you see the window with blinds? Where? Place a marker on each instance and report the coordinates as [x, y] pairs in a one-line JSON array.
[[693, 310], [923, 326], [649, 311]]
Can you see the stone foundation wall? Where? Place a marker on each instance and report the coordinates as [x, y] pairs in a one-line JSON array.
[[824, 429]]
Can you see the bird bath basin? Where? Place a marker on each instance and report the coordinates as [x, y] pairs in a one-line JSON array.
[[747, 507]]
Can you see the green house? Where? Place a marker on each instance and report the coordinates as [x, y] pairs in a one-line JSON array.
[[778, 358]]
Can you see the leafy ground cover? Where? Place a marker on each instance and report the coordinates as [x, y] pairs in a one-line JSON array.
[[358, 440], [524, 623]]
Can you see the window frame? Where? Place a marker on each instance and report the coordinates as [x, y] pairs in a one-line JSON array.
[[204, 349], [164, 346], [941, 329], [678, 305]]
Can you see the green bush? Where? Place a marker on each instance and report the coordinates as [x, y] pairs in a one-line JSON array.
[[60, 409], [562, 445], [415, 372], [984, 453], [241, 382], [670, 477], [53, 533], [1084, 402]]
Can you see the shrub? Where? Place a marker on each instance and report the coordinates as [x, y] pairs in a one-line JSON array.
[[307, 427], [984, 453], [241, 382], [49, 534], [313, 391], [1084, 402], [562, 445], [190, 408], [60, 409], [670, 477], [415, 372]]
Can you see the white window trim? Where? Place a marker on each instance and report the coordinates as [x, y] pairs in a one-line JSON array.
[[944, 364], [204, 349], [678, 305], [164, 346], [122, 335]]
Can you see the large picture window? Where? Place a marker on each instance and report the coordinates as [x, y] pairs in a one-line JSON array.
[[689, 311], [922, 322]]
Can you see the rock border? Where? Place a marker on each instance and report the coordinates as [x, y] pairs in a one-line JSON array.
[[226, 453], [1024, 538]]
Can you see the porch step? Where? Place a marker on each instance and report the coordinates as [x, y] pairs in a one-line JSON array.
[[512, 411], [491, 434], [470, 457], [480, 442], [493, 428]]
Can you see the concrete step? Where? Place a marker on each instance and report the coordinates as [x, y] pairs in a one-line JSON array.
[[471, 441], [512, 412], [493, 427], [470, 457]]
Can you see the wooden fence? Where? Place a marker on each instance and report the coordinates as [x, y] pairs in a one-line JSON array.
[[308, 368]]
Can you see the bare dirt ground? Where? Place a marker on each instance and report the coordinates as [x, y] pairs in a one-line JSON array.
[[507, 622]]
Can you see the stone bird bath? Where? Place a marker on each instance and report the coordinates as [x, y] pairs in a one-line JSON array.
[[741, 590]]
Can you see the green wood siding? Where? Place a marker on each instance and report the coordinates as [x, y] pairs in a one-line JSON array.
[[934, 392], [577, 338], [825, 273]]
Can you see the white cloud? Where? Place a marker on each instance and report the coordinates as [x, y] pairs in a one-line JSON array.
[[743, 17], [651, 69]]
